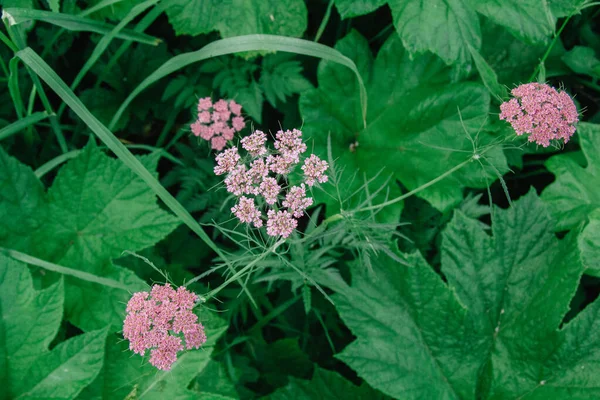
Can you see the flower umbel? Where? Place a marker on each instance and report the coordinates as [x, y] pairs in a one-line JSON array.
[[542, 112], [266, 179], [215, 122], [159, 321]]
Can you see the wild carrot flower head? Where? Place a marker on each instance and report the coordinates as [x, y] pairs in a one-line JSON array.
[[266, 180], [215, 122], [159, 321], [541, 112]]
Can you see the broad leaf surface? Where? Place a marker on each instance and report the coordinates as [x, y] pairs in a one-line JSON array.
[[589, 243], [29, 322], [95, 209], [449, 27], [576, 191], [529, 20], [492, 331], [414, 116], [22, 203], [238, 17], [98, 208]]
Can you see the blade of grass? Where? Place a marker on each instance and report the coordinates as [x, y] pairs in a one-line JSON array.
[[27, 259], [75, 23], [39, 66], [242, 44], [50, 43], [140, 27], [104, 43], [13, 87], [17, 38], [21, 124]]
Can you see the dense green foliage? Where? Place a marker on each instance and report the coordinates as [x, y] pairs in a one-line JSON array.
[[445, 258]]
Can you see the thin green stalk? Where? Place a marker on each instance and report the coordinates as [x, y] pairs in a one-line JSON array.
[[21, 124], [75, 273], [17, 37], [324, 22], [146, 21], [55, 162], [242, 271], [14, 88], [8, 42], [58, 34], [554, 41], [420, 188], [103, 45], [159, 150], [165, 131]]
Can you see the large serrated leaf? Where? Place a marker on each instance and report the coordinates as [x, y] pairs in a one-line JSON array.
[[238, 17], [29, 320], [492, 331]]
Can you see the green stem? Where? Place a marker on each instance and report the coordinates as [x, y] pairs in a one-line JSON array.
[[165, 131], [241, 272], [21, 124], [551, 46], [54, 123], [422, 187], [325, 21], [27, 259]]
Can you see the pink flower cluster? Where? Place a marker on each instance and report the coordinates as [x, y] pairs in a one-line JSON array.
[[263, 182], [158, 320], [542, 112], [218, 122]]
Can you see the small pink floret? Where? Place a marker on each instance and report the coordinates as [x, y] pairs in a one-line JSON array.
[[280, 223]]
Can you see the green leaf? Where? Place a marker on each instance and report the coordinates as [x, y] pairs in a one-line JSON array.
[[355, 8], [29, 320], [54, 5], [67, 369], [492, 331], [126, 374], [589, 243], [22, 203], [325, 385], [281, 77], [413, 118], [98, 208], [528, 20], [488, 76], [444, 27], [238, 17], [576, 191], [583, 60]]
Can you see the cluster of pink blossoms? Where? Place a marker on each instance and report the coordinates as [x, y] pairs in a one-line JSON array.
[[257, 180], [218, 122], [156, 321], [541, 112]]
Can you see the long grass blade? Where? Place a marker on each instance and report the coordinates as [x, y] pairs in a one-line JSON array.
[[86, 276], [75, 23], [47, 74], [246, 43], [21, 124]]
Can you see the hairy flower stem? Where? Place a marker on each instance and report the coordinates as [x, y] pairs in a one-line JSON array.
[[339, 216], [241, 272], [556, 37]]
